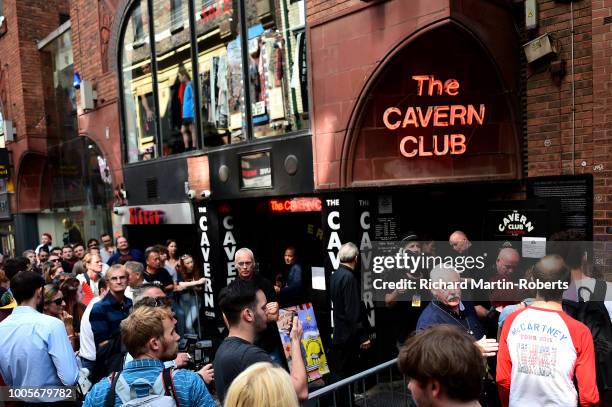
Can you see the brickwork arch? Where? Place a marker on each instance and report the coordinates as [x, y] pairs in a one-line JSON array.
[[360, 168]]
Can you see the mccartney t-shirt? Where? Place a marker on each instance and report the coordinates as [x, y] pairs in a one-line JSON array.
[[541, 351], [233, 357]]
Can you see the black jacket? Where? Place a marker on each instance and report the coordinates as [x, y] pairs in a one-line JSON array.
[[349, 315]]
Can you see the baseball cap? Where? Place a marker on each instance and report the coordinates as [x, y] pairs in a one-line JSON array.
[[6, 299]]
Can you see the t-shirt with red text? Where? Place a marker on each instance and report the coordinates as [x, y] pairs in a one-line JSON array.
[[540, 350]]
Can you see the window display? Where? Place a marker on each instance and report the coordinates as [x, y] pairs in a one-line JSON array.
[[203, 105], [138, 102]]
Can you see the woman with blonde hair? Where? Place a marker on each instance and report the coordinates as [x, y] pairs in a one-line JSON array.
[[262, 385]]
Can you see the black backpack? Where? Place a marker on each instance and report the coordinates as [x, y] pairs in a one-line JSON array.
[[595, 316]]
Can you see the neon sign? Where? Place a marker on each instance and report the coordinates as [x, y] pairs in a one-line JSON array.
[[434, 116], [140, 216], [295, 205]]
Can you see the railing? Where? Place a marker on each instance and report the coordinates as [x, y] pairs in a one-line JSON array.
[[343, 393]]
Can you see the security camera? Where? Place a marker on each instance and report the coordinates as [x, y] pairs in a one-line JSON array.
[[205, 194], [191, 194], [117, 211]]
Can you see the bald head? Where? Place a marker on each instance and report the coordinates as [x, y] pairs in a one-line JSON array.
[[459, 241], [507, 261]]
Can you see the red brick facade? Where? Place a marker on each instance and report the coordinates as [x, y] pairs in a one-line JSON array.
[[21, 91], [349, 39], [92, 23]]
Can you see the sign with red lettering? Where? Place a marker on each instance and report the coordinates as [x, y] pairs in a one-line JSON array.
[[437, 111], [140, 216], [295, 205], [435, 116]]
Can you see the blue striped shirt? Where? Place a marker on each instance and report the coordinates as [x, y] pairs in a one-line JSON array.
[[106, 316], [190, 388]]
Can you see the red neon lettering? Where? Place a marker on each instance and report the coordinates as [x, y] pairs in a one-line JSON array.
[[386, 118], [403, 150], [420, 79]]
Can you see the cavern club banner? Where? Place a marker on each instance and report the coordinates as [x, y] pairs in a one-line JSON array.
[[437, 114]]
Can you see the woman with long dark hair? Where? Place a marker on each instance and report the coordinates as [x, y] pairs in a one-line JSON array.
[[55, 306], [173, 258], [188, 289]]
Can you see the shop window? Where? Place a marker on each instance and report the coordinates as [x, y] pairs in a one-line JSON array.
[[221, 85], [277, 67], [183, 98], [139, 117], [175, 92]]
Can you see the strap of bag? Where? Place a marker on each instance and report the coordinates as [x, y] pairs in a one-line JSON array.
[[599, 293], [169, 385], [110, 396]]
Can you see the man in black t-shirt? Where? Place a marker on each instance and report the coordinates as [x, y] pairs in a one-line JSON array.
[[243, 305], [268, 340], [155, 273]]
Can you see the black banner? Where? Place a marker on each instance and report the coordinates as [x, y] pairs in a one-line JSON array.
[[575, 194]]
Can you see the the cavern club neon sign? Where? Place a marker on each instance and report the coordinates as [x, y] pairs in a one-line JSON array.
[[442, 116]]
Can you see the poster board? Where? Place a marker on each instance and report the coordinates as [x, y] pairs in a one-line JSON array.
[[313, 353]]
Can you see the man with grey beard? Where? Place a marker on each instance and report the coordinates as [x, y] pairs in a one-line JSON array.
[[446, 307]]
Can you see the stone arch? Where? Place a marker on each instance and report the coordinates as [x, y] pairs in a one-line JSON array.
[[382, 163]]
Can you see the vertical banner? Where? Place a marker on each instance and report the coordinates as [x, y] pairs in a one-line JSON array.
[[207, 222], [364, 221], [338, 214], [228, 236], [217, 248]]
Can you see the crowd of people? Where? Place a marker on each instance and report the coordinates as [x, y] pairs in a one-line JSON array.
[[108, 319]]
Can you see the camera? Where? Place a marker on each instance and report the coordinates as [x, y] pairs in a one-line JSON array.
[[118, 211], [191, 194], [205, 194]]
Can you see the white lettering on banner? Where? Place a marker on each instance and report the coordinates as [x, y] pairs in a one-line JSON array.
[[515, 223], [330, 220], [209, 301], [365, 248], [229, 247], [333, 222]]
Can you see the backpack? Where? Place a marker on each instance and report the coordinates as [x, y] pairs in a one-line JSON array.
[[595, 316], [163, 393]]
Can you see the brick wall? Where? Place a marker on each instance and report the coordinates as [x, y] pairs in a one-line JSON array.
[[602, 124], [557, 146], [91, 23], [21, 84]]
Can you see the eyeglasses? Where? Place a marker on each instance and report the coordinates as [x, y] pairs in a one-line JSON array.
[[118, 278], [57, 302], [244, 264], [55, 260]]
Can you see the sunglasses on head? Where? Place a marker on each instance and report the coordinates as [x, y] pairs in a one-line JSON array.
[[59, 301], [154, 302]]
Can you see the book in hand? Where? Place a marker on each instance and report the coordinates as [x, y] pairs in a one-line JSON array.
[[312, 346]]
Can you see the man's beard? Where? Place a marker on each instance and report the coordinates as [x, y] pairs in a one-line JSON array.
[[169, 353]]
